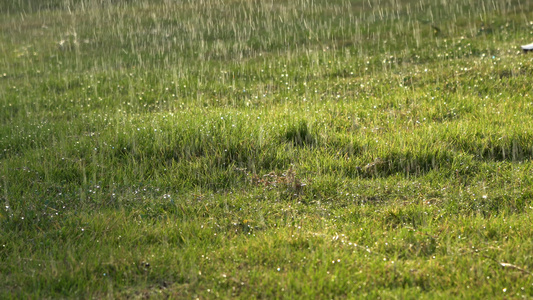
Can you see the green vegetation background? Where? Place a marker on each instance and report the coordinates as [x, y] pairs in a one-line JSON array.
[[266, 149]]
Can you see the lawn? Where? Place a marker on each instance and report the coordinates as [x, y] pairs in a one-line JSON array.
[[304, 149]]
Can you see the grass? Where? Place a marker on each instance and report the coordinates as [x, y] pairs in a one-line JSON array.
[[266, 149]]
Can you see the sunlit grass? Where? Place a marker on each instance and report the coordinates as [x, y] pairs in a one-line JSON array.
[[265, 149]]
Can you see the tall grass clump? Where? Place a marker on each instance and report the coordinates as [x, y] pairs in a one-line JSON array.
[[299, 134]]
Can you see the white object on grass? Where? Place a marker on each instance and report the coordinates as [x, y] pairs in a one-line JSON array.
[[528, 47]]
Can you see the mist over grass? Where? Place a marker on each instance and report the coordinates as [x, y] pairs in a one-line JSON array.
[[266, 149]]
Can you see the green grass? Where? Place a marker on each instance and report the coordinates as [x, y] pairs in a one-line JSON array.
[[266, 149]]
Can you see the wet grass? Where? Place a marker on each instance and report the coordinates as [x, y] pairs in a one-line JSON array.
[[255, 149]]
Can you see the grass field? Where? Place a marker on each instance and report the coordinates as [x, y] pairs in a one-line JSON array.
[[272, 149]]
